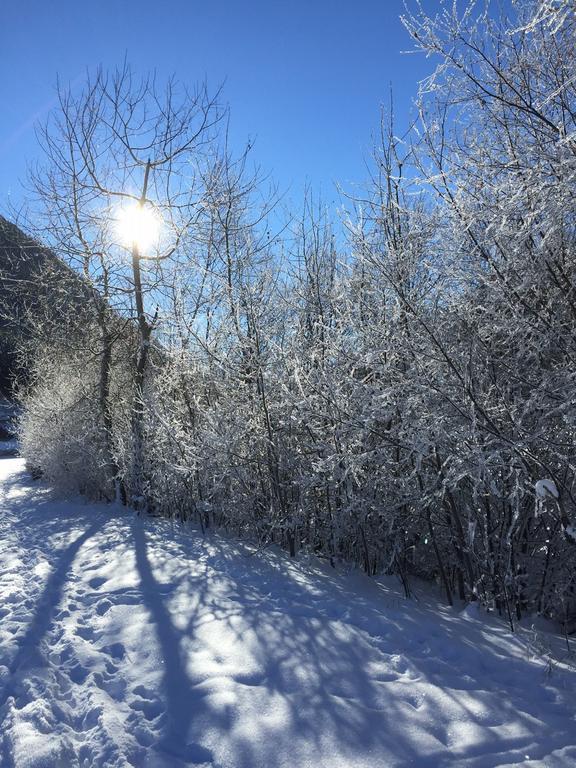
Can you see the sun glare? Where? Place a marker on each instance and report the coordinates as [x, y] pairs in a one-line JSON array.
[[138, 225]]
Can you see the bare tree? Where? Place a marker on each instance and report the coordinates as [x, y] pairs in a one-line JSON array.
[[121, 173]]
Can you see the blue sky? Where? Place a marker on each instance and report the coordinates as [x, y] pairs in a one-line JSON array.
[[305, 79]]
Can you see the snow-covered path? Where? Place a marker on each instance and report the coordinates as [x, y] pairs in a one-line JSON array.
[[132, 642]]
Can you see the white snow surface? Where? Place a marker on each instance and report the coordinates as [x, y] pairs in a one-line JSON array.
[[136, 642]]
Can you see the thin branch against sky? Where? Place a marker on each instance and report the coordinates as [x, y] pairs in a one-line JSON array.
[[305, 81]]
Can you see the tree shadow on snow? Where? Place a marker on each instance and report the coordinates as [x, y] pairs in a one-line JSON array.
[[29, 653], [399, 686], [181, 700]]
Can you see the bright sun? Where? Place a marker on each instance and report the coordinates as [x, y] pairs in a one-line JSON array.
[[138, 225]]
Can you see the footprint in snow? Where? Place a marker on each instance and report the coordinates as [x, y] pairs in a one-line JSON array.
[[143, 692], [103, 607], [66, 654], [150, 709], [113, 686], [415, 701], [86, 633], [78, 674], [97, 582], [120, 599], [188, 753], [143, 736], [116, 650]]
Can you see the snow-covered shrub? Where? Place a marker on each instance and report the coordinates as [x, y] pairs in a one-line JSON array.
[[61, 433], [395, 401]]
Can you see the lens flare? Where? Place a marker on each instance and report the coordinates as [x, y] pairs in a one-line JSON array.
[[137, 225]]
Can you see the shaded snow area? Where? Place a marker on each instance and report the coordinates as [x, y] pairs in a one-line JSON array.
[[131, 642]]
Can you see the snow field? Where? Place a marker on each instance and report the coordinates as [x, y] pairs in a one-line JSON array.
[[131, 642]]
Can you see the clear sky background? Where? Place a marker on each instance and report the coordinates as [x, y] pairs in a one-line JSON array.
[[305, 78]]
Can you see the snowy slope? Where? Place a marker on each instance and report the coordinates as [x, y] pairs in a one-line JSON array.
[[132, 642]]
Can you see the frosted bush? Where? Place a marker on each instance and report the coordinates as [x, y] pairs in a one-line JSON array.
[[61, 437]]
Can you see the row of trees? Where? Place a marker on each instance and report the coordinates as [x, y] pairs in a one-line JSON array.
[[389, 396]]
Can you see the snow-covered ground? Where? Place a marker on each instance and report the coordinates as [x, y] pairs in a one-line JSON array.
[[126, 641]]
